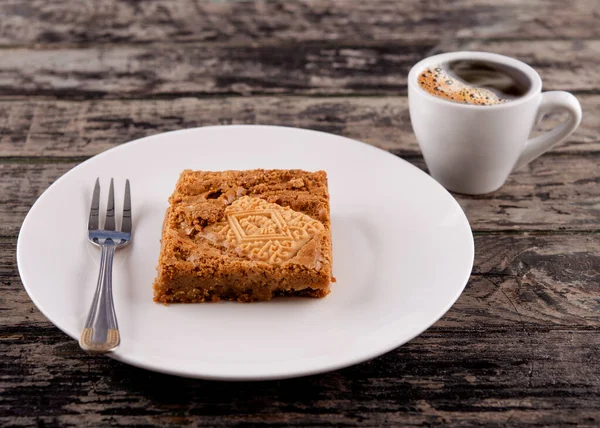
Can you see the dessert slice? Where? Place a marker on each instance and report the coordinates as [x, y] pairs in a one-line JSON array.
[[246, 236]]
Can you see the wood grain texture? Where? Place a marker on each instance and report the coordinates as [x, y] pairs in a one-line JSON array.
[[519, 282], [172, 70], [521, 344], [467, 379], [85, 128], [530, 198], [473, 379], [554, 193], [113, 21]]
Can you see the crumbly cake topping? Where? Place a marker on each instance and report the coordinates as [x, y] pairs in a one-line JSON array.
[[262, 231], [201, 197]]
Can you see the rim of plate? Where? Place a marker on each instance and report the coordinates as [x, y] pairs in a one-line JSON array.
[[304, 370]]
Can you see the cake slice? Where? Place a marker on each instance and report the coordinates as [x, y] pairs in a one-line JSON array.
[[246, 236]]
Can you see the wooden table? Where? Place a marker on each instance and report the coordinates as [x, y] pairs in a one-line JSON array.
[[521, 345]]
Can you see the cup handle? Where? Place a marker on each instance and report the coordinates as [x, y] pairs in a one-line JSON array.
[[551, 101]]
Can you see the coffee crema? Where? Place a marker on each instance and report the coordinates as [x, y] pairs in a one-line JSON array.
[[475, 82]]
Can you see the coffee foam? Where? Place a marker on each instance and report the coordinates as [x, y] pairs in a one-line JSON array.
[[439, 83]]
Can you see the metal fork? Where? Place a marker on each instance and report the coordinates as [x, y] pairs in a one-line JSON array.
[[101, 331]]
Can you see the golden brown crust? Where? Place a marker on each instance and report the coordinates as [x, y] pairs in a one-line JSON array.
[[196, 264]]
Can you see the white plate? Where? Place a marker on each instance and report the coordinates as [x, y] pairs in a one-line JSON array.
[[402, 248]]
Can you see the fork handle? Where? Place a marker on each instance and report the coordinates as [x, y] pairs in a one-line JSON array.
[[101, 332]]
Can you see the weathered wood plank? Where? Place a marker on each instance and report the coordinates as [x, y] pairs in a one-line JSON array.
[[522, 343], [20, 186], [520, 346], [531, 281], [170, 70], [462, 378], [552, 193], [112, 21], [85, 128], [519, 283]]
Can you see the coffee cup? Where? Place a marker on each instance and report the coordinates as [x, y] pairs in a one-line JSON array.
[[471, 137]]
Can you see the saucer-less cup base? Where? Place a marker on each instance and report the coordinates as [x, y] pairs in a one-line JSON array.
[[472, 149]]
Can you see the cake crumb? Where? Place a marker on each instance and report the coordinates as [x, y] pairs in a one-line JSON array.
[[245, 236]]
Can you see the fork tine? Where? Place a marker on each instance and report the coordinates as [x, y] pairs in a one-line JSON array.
[[95, 207], [126, 224], [109, 222]]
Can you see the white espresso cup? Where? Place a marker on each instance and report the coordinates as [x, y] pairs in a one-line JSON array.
[[472, 149]]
